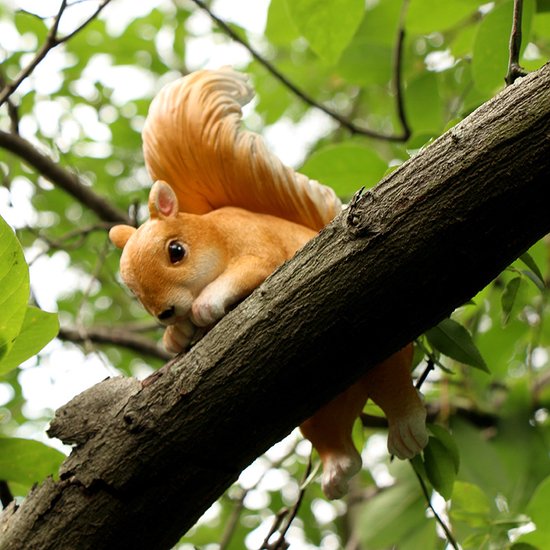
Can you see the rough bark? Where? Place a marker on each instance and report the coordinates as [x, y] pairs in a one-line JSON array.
[[151, 457]]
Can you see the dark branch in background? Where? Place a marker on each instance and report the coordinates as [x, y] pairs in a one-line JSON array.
[[514, 68], [61, 177], [343, 121], [474, 416], [398, 72], [52, 41], [13, 112], [69, 241], [5, 494], [116, 337]]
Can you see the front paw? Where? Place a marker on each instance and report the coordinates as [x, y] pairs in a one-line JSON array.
[[207, 311], [178, 337], [408, 435]]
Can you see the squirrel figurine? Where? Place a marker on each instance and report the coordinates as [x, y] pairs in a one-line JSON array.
[[224, 214]]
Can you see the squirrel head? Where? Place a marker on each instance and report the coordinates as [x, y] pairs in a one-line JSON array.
[[169, 259]]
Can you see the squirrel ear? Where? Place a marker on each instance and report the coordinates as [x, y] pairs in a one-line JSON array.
[[119, 235], [162, 200]]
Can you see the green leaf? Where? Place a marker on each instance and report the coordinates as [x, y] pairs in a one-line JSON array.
[[27, 461], [454, 341], [368, 59], [280, 29], [39, 327], [14, 287], [508, 298], [426, 16], [391, 516], [447, 440], [327, 26], [423, 104], [346, 167], [528, 260], [537, 509], [470, 505], [490, 53], [26, 22], [440, 467]]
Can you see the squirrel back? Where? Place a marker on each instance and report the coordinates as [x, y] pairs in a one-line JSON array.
[[193, 140]]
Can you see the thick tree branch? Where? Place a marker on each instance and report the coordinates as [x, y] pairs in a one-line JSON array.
[[150, 457], [61, 177]]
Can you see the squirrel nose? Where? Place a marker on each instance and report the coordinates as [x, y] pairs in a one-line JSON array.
[[167, 313]]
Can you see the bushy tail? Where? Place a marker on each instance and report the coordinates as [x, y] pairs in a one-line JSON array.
[[193, 140]]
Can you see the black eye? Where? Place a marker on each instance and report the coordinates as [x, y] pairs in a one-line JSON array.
[[176, 251]]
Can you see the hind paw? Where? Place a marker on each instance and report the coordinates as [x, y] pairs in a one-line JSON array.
[[408, 435], [337, 471]]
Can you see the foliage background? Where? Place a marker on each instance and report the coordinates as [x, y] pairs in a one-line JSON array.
[[83, 107]]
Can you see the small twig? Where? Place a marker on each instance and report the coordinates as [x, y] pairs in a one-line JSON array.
[[232, 522], [285, 517], [514, 68], [343, 121], [79, 237], [52, 41], [450, 538]]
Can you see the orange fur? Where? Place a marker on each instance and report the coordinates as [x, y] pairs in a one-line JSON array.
[[230, 213]]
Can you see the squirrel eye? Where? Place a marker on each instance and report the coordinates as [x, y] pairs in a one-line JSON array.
[[176, 251]]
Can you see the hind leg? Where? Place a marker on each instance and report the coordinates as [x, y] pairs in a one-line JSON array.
[[390, 387], [329, 430]]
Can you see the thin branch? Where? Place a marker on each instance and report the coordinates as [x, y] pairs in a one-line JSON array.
[[450, 538], [514, 68], [52, 41], [78, 236], [61, 177], [429, 368], [343, 121], [13, 112], [115, 337], [232, 522], [285, 517]]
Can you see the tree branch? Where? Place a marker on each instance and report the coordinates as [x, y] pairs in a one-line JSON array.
[[51, 42], [151, 457], [116, 337], [61, 177], [298, 92]]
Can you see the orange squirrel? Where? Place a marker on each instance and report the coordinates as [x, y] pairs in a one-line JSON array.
[[225, 212]]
